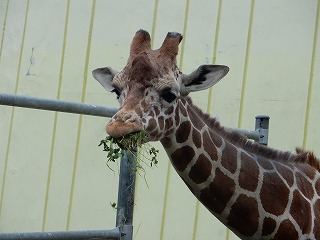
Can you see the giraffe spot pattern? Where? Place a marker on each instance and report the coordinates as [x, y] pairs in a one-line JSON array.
[[183, 132], [198, 123], [161, 122], [229, 158], [274, 189], [196, 138], [317, 219], [183, 112], [177, 117], [156, 111], [304, 186], [209, 146], [307, 169], [283, 171], [243, 215], [215, 197], [317, 186], [151, 125], [286, 231], [201, 170], [169, 123], [268, 226], [249, 173], [169, 111], [182, 157], [300, 210], [217, 140], [166, 142], [265, 163]]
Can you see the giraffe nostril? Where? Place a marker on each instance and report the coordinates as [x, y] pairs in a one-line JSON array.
[[128, 118], [125, 117]]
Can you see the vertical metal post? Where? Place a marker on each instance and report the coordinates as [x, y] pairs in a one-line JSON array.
[[262, 126], [126, 195]]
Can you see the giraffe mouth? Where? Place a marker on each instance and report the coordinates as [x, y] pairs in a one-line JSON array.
[[131, 141]]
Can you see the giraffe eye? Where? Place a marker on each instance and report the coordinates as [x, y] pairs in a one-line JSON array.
[[168, 96], [116, 91]]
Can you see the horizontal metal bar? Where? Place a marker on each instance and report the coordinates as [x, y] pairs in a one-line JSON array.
[[72, 235], [79, 108], [254, 135], [56, 105]]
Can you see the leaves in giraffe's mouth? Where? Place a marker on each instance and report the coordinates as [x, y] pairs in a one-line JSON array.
[[131, 142]]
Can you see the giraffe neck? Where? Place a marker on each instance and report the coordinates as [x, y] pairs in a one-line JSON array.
[[249, 193]]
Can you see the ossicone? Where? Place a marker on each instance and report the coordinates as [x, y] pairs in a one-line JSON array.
[[170, 45], [141, 42]]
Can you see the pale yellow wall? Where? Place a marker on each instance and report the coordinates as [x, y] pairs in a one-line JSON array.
[[53, 175]]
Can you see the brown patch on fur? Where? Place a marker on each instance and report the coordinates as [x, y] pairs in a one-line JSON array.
[[209, 146], [243, 215], [302, 157], [182, 157], [317, 187], [196, 138], [269, 225], [214, 197], [166, 142], [201, 170], [301, 207], [183, 132], [316, 230], [304, 186], [274, 188], [283, 171], [286, 231], [229, 161], [249, 173]]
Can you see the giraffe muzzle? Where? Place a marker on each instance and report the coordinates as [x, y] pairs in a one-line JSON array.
[[123, 124]]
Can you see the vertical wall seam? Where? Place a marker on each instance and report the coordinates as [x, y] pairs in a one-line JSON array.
[[215, 50], [209, 105], [311, 77], [13, 111], [5, 165], [184, 33], [83, 97], [4, 29], [154, 21], [53, 140], [165, 201], [246, 63]]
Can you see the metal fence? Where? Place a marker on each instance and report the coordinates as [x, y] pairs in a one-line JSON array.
[[126, 188]]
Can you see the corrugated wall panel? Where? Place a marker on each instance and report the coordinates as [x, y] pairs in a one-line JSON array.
[[58, 211], [286, 49], [53, 174]]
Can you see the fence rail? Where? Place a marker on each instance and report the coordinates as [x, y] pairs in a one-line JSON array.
[[72, 235], [124, 219], [56, 105]]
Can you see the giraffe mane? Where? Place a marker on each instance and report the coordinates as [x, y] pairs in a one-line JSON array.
[[238, 139]]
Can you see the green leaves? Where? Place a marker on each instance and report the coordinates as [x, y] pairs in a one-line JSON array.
[[153, 153], [114, 147], [114, 151]]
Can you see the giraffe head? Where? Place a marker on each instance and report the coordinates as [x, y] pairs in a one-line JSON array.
[[150, 87]]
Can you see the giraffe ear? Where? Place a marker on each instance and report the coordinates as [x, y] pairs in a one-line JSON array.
[[105, 76], [202, 78]]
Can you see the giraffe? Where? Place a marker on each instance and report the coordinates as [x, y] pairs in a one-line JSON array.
[[256, 191]]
